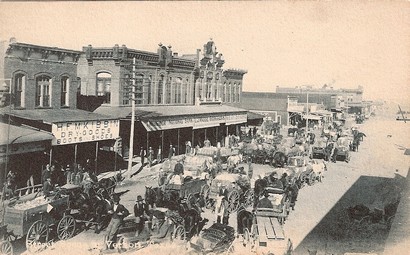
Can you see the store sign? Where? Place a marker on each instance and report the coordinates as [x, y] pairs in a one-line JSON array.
[[20, 148], [84, 131], [195, 122]]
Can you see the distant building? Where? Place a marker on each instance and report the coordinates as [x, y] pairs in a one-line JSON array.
[[331, 98]]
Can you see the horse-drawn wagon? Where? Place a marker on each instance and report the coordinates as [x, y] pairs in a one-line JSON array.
[[343, 145], [238, 187], [266, 235], [319, 148], [32, 219]]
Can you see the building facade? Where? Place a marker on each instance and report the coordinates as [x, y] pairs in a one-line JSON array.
[[42, 77], [160, 78]]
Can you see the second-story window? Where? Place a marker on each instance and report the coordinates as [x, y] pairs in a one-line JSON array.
[[178, 87], [43, 87], [19, 87], [160, 89], [65, 86], [104, 86], [139, 85]]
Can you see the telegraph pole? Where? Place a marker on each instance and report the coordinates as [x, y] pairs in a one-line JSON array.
[[131, 150], [307, 111]]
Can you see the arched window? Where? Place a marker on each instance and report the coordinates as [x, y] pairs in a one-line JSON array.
[[139, 86], [184, 91], [19, 88], [104, 86], [65, 88], [43, 87], [178, 87], [160, 88]]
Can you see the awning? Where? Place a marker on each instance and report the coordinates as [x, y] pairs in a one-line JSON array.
[[19, 135]]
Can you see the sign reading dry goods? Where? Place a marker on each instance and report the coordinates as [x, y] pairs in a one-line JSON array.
[[85, 131]]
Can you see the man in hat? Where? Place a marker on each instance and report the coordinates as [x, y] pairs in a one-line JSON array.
[[47, 187], [223, 192], [274, 181], [118, 213], [139, 209], [265, 202]]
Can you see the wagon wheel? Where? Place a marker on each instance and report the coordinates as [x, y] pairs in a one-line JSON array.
[[6, 248], [188, 200], [178, 233], [249, 197], [37, 236], [233, 201], [205, 195], [66, 227]]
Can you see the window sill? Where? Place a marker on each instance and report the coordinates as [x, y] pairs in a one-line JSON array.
[[19, 108], [42, 107], [64, 106]]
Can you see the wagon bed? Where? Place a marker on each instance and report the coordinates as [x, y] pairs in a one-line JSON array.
[[19, 218], [194, 186]]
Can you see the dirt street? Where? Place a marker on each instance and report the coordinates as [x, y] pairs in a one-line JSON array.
[[320, 221]]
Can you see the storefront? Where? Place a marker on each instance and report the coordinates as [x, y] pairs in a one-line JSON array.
[[161, 126], [77, 135], [23, 151]]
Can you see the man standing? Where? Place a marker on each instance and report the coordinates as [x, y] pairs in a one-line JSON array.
[[47, 187], [46, 173], [142, 155], [118, 213], [179, 168], [171, 152], [139, 209], [159, 154], [150, 156]]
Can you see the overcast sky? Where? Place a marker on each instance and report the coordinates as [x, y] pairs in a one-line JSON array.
[[279, 43]]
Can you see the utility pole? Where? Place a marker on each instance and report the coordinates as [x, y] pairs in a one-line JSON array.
[[131, 150], [307, 111]]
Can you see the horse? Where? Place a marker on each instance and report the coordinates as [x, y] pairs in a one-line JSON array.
[[153, 196], [279, 159], [191, 217], [110, 183], [360, 136], [244, 220], [234, 160]]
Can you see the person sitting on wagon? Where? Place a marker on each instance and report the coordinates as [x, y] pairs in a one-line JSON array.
[[47, 187], [274, 181], [265, 202]]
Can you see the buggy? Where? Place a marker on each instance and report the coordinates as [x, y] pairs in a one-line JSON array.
[[318, 148], [216, 239]]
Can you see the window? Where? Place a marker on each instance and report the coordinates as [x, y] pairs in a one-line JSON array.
[[215, 92], [139, 85], [65, 86], [126, 90], [238, 93], [234, 92], [168, 88], [149, 82], [160, 88], [223, 92], [178, 85], [19, 86], [104, 86], [228, 93], [43, 85], [185, 92]]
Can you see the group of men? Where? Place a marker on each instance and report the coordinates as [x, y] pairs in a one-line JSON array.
[[150, 154]]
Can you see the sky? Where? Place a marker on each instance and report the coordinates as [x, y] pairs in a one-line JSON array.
[[279, 43]]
